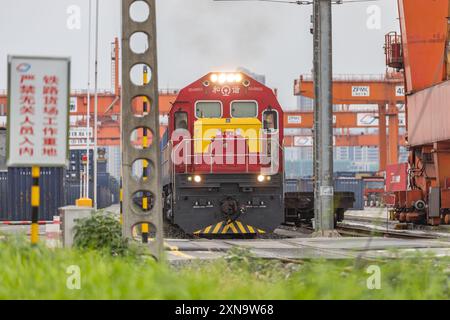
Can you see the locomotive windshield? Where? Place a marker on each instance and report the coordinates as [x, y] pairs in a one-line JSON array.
[[208, 109], [244, 109]]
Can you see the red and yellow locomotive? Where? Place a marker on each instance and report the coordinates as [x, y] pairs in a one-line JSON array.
[[223, 157]]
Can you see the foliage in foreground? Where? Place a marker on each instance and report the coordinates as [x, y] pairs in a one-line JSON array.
[[39, 273], [100, 232]]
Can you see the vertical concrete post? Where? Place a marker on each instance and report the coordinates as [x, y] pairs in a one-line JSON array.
[[325, 206], [133, 213], [316, 137]]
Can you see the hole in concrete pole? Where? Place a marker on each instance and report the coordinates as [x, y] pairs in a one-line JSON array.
[[139, 42], [141, 106], [141, 138], [137, 229], [141, 169], [140, 74], [139, 11], [144, 200]]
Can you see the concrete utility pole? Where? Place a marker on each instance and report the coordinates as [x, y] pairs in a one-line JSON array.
[[316, 142], [133, 189], [323, 133]]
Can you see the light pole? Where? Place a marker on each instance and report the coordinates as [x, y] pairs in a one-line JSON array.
[[95, 173], [84, 200], [88, 117]]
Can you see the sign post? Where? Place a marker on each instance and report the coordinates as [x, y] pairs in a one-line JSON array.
[[35, 203], [38, 117]]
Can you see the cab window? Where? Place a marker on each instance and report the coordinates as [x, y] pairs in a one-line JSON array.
[[181, 120], [244, 109], [208, 109], [270, 120]]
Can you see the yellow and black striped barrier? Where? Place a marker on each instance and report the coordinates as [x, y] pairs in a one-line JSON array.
[[35, 202], [121, 201], [230, 227], [145, 229]]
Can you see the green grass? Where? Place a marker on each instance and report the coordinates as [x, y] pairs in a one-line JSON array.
[[40, 273]]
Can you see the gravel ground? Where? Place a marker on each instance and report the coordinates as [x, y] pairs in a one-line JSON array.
[[175, 232], [272, 235]]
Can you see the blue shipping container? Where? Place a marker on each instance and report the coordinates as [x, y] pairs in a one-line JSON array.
[[3, 193], [19, 194], [340, 185]]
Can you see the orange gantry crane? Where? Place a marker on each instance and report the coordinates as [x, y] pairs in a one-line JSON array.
[[420, 189], [386, 91], [108, 116], [344, 120]]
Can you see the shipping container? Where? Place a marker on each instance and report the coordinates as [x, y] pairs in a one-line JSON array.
[[19, 183], [107, 191], [428, 115], [352, 185], [3, 193], [291, 185], [306, 185], [340, 185], [71, 192], [2, 149]]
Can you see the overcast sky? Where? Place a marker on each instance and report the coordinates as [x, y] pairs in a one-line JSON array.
[[198, 36]]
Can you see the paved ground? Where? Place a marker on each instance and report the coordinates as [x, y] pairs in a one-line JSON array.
[[299, 245], [306, 248]]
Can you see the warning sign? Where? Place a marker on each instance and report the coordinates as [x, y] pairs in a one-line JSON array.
[[38, 111]]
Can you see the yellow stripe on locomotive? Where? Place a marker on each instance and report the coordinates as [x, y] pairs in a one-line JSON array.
[[208, 128], [232, 227]]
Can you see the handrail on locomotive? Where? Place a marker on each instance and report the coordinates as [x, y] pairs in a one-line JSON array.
[[271, 157]]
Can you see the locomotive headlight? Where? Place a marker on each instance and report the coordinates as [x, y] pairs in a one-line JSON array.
[[222, 78], [198, 179], [261, 178], [269, 178], [226, 78], [189, 178]]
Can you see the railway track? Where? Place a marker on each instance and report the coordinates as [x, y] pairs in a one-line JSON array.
[[375, 226], [366, 228], [360, 231]]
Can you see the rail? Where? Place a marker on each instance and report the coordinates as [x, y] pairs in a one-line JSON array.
[[359, 231]]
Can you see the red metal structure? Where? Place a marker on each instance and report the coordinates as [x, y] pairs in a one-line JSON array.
[[425, 196], [394, 51], [373, 190]]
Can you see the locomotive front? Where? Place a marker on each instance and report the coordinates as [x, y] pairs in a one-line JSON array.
[[223, 163]]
